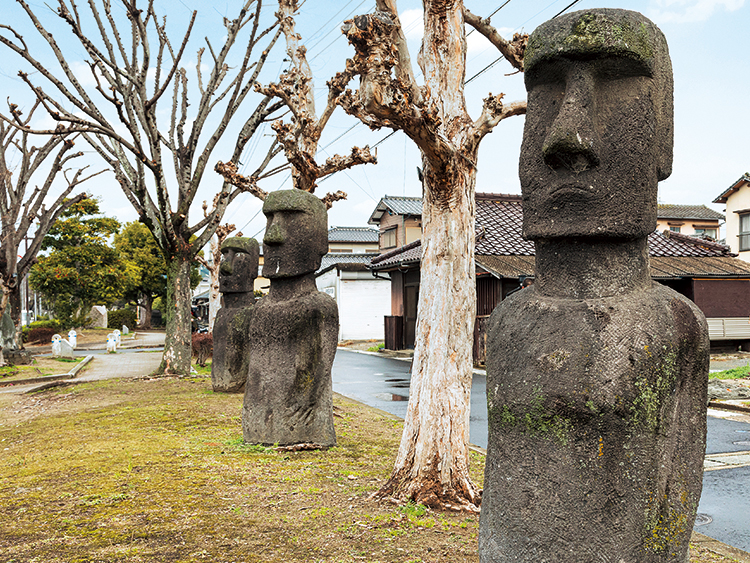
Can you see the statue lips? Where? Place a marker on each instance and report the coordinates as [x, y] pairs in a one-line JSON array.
[[570, 192]]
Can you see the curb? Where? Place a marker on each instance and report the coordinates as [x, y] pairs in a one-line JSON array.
[[478, 371], [727, 406], [721, 548], [50, 378]]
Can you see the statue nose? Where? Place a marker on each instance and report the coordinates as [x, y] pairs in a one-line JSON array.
[[274, 235], [571, 142]]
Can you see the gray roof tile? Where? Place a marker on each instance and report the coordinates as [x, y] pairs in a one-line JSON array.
[[352, 234], [674, 211]]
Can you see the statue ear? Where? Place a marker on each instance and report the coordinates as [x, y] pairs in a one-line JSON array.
[[665, 132], [664, 102]]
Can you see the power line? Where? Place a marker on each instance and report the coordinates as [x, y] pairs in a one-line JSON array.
[[568, 7], [472, 30]]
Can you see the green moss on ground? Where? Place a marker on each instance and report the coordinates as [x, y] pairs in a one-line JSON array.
[[160, 473]]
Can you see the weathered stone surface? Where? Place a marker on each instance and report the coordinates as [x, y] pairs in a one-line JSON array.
[[98, 316], [232, 344], [583, 112], [596, 412], [293, 330], [596, 375], [727, 389]]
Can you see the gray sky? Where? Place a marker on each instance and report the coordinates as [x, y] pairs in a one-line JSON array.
[[707, 41]]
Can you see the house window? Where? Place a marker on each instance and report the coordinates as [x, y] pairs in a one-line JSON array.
[[744, 231], [706, 232], [341, 251], [389, 238], [674, 229]]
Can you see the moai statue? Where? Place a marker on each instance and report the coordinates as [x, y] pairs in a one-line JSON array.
[[294, 330], [237, 274], [596, 375]]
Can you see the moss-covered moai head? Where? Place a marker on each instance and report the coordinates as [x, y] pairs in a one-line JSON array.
[[599, 129], [239, 266], [296, 234]]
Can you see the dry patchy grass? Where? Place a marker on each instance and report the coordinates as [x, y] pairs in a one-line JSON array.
[[156, 470]]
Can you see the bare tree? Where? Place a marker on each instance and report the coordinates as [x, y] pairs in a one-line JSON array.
[[433, 458], [23, 210], [213, 265], [300, 136], [133, 72]]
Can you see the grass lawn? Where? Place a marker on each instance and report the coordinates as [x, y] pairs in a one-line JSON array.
[[740, 372], [156, 470], [39, 368]]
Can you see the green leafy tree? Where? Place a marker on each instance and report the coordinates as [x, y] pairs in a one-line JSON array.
[[81, 269], [139, 250], [146, 267]]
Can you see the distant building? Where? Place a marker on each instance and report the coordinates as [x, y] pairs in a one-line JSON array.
[[704, 271], [352, 240], [363, 299], [692, 220], [737, 199]]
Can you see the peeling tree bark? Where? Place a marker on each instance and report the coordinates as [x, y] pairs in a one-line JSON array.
[[432, 466]]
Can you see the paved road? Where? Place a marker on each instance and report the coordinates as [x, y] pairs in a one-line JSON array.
[[384, 383]]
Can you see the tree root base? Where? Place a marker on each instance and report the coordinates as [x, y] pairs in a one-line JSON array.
[[431, 495]]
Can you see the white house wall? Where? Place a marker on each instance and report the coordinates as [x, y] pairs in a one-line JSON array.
[[363, 302], [363, 305], [740, 200]]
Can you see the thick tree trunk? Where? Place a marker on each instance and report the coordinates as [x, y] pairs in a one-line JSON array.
[[432, 466], [177, 345], [147, 302]]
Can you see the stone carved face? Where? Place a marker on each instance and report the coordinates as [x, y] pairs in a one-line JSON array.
[[239, 266], [598, 132], [296, 234]]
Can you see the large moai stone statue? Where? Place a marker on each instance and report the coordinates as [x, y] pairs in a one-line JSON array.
[[237, 274], [293, 331], [596, 375]]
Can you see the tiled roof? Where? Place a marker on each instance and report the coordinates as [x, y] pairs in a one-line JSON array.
[[407, 254], [733, 188], [334, 258], [696, 266], [352, 234], [673, 211], [396, 205], [499, 224], [502, 251]]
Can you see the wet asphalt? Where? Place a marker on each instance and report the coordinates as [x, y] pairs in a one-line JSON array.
[[723, 511]]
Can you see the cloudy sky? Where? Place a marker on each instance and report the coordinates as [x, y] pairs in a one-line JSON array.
[[707, 41]]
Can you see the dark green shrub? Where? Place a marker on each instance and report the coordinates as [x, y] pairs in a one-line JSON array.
[[40, 335], [51, 324], [119, 317]]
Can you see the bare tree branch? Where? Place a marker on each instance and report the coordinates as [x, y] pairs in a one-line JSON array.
[[511, 50]]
